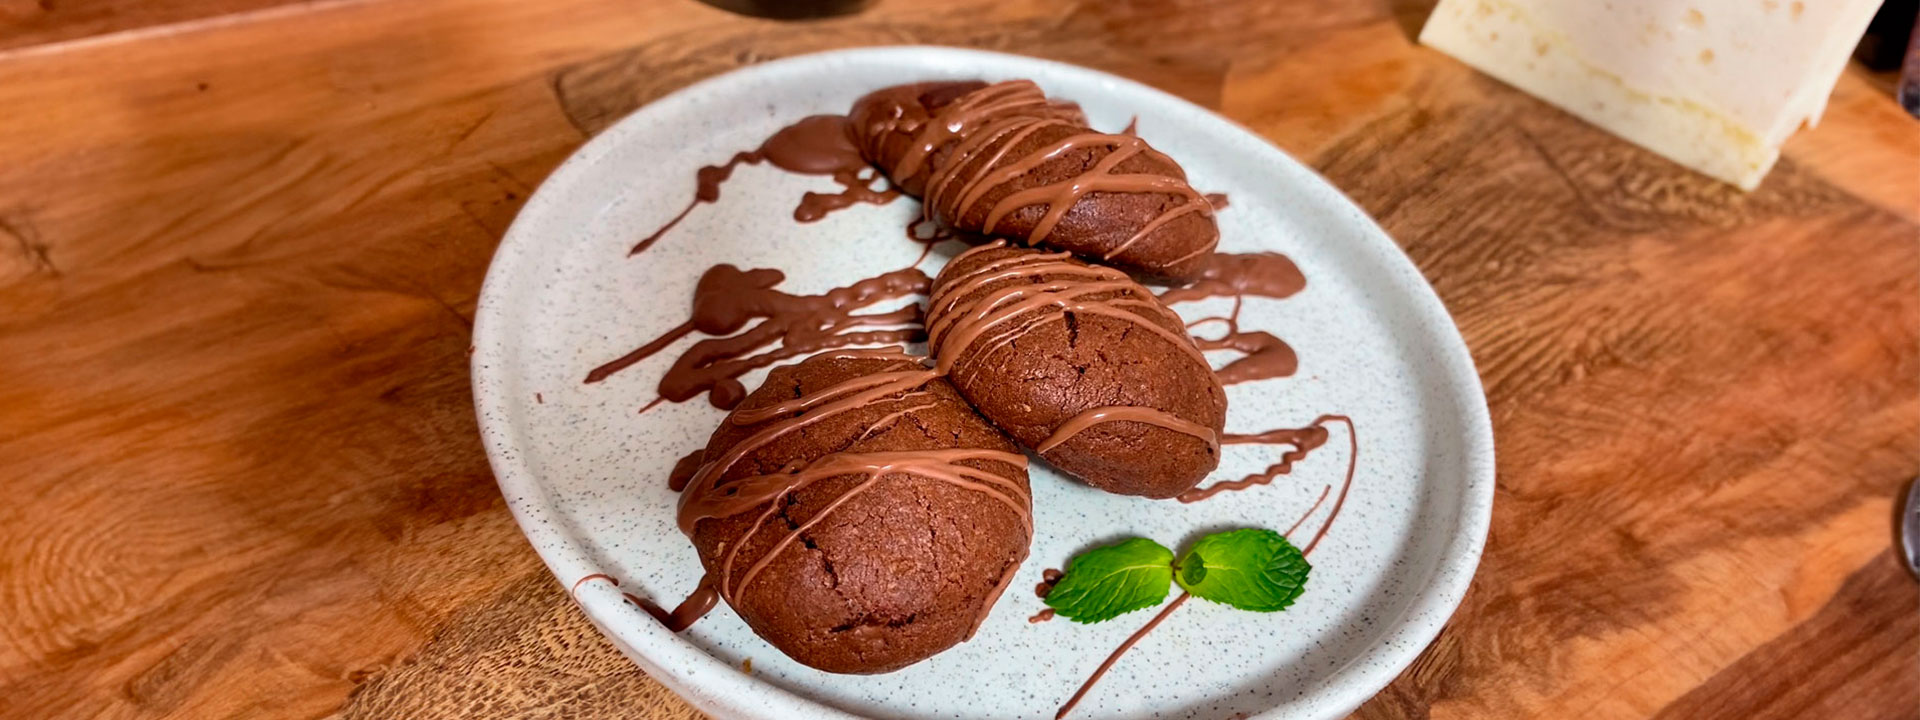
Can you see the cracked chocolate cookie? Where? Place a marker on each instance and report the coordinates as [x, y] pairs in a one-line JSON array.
[[1003, 160], [857, 513], [1080, 363]]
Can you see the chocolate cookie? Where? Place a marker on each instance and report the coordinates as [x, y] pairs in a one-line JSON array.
[[857, 513], [894, 126], [1002, 160], [1081, 364]]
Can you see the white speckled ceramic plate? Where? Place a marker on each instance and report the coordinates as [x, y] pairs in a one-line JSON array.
[[586, 474]]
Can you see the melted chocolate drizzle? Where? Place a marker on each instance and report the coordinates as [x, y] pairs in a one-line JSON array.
[[1304, 440], [680, 618], [816, 145], [1264, 274], [1269, 275], [1117, 652], [684, 468], [727, 298]]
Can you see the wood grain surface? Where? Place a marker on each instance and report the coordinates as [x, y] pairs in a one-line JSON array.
[[241, 240]]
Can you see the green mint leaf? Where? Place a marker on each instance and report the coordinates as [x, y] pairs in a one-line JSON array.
[[1105, 583], [1251, 569], [1192, 573]]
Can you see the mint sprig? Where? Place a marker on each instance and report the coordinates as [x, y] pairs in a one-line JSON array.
[[1105, 583], [1250, 569]]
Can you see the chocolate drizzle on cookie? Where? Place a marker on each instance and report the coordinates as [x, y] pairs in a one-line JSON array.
[[986, 160], [953, 326], [1129, 413]]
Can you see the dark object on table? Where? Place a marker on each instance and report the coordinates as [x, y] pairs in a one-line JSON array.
[[1907, 527], [1893, 42], [791, 9], [1909, 92]]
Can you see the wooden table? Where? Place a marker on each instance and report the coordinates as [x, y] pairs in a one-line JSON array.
[[240, 243]]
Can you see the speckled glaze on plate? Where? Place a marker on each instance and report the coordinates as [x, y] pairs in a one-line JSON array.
[[585, 474]]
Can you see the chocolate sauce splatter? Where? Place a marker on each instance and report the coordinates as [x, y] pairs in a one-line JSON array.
[[1048, 579], [1310, 511], [684, 468], [727, 298], [682, 616], [1263, 356], [1265, 274], [928, 233], [1217, 200], [575, 589], [1270, 275], [693, 608], [816, 145], [1353, 457]]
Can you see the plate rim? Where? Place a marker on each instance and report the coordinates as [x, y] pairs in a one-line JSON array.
[[736, 694]]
